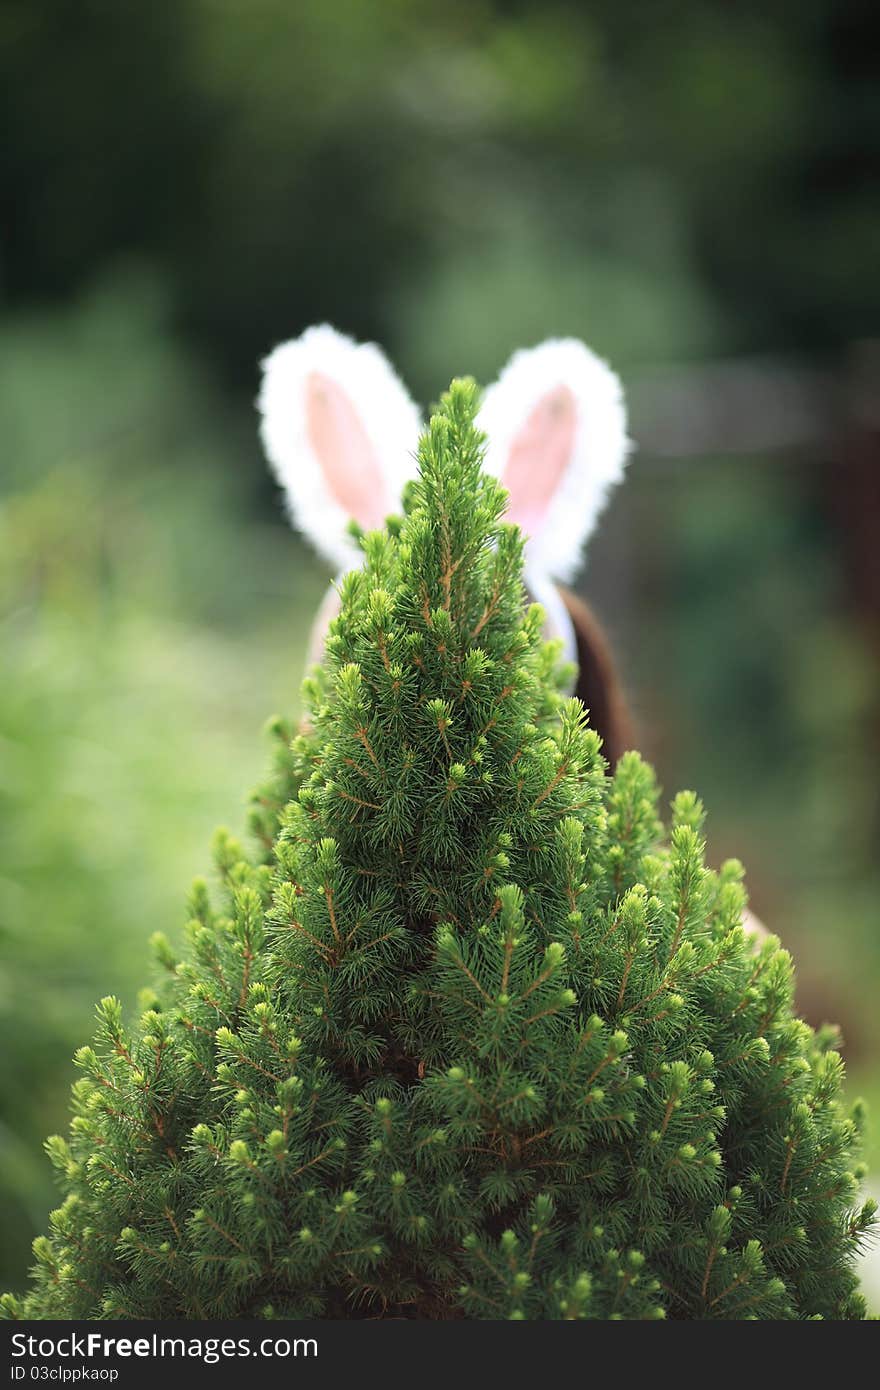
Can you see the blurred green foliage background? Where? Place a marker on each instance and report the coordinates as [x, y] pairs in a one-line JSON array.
[[685, 185]]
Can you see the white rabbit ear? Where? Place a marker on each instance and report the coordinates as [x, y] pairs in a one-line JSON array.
[[340, 432], [556, 426]]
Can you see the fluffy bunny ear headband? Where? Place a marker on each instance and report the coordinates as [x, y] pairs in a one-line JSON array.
[[341, 433]]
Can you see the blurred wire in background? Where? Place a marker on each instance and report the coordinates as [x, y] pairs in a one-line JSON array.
[[687, 186]]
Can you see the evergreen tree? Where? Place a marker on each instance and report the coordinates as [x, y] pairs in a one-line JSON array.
[[470, 1035]]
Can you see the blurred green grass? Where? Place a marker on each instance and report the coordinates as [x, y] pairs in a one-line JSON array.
[[150, 620]]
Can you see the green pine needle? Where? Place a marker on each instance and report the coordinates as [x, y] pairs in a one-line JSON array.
[[470, 1034]]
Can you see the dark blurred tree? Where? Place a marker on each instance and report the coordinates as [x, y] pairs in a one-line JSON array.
[[105, 135], [287, 163]]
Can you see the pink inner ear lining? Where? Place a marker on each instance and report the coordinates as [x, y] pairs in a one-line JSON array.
[[342, 446], [539, 455]]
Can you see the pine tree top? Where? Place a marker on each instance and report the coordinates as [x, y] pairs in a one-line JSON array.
[[472, 1034]]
